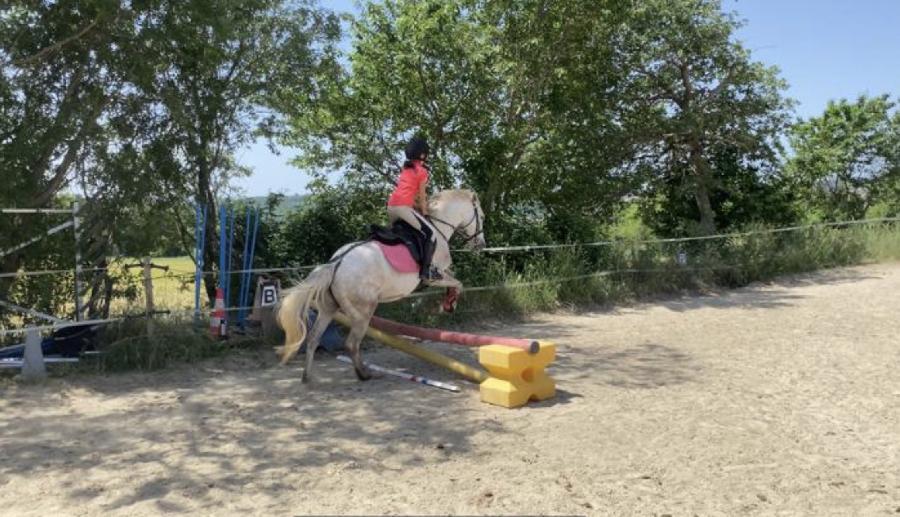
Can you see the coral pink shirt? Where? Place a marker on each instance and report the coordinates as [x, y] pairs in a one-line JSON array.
[[408, 184]]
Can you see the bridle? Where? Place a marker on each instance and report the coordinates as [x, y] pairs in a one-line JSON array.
[[479, 229]]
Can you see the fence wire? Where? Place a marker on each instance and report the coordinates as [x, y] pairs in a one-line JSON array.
[[503, 249], [161, 290]]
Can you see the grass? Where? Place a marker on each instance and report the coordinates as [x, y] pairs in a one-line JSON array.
[[173, 290], [131, 345], [630, 270]]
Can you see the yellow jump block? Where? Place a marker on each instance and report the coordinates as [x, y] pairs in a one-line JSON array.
[[516, 376]]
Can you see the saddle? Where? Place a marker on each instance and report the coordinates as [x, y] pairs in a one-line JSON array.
[[417, 243], [401, 233]]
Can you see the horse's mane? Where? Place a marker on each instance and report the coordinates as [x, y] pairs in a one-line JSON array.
[[452, 195]]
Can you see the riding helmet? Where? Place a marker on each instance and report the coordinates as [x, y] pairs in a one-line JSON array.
[[416, 147]]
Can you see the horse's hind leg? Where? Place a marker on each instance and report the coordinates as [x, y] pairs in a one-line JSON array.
[[323, 319], [359, 323]]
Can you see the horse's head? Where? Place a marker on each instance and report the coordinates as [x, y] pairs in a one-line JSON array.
[[461, 210]]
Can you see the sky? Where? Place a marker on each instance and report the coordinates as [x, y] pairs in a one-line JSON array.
[[825, 49]]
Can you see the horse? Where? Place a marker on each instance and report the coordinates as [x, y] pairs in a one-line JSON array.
[[358, 278]]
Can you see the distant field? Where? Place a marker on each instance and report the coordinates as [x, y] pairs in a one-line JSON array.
[[177, 265], [172, 290]]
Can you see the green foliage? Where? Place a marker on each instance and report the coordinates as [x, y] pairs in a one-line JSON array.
[[847, 160], [327, 221], [144, 104], [553, 112], [627, 270], [629, 225], [743, 195]]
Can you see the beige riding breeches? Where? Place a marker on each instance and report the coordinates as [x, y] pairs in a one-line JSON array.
[[406, 213]]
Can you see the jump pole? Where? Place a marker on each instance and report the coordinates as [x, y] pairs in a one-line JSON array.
[[459, 338], [403, 375], [404, 345]]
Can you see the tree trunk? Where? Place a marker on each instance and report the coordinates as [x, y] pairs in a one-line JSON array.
[[707, 215], [702, 182], [205, 196], [97, 290]]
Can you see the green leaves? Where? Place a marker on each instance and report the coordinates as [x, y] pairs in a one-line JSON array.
[[560, 107], [694, 95], [848, 159], [480, 79], [140, 106]]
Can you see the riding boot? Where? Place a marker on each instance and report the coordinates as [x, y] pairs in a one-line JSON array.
[[427, 272]]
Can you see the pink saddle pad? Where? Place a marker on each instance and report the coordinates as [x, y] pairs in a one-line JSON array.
[[399, 257]]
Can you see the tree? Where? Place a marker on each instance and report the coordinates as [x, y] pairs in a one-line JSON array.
[[743, 196], [560, 147], [847, 159], [415, 67], [140, 106], [558, 109], [217, 67], [692, 94], [479, 80], [56, 86]]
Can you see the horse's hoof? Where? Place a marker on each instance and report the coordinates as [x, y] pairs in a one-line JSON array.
[[363, 374], [304, 379]]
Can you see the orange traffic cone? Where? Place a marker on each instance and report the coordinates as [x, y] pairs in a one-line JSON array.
[[218, 322]]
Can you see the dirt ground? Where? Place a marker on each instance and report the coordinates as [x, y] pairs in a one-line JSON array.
[[774, 399]]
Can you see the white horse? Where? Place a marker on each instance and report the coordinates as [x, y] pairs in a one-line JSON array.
[[358, 278]]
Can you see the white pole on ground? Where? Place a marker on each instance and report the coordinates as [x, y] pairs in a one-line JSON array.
[[33, 368], [404, 375]]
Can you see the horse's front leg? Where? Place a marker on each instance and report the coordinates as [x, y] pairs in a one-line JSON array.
[[454, 287]]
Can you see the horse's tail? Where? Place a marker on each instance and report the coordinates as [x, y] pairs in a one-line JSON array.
[[294, 308]]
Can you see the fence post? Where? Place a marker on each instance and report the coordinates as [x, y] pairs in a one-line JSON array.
[[77, 231], [148, 293], [33, 368]]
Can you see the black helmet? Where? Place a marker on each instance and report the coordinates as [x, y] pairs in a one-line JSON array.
[[416, 147]]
